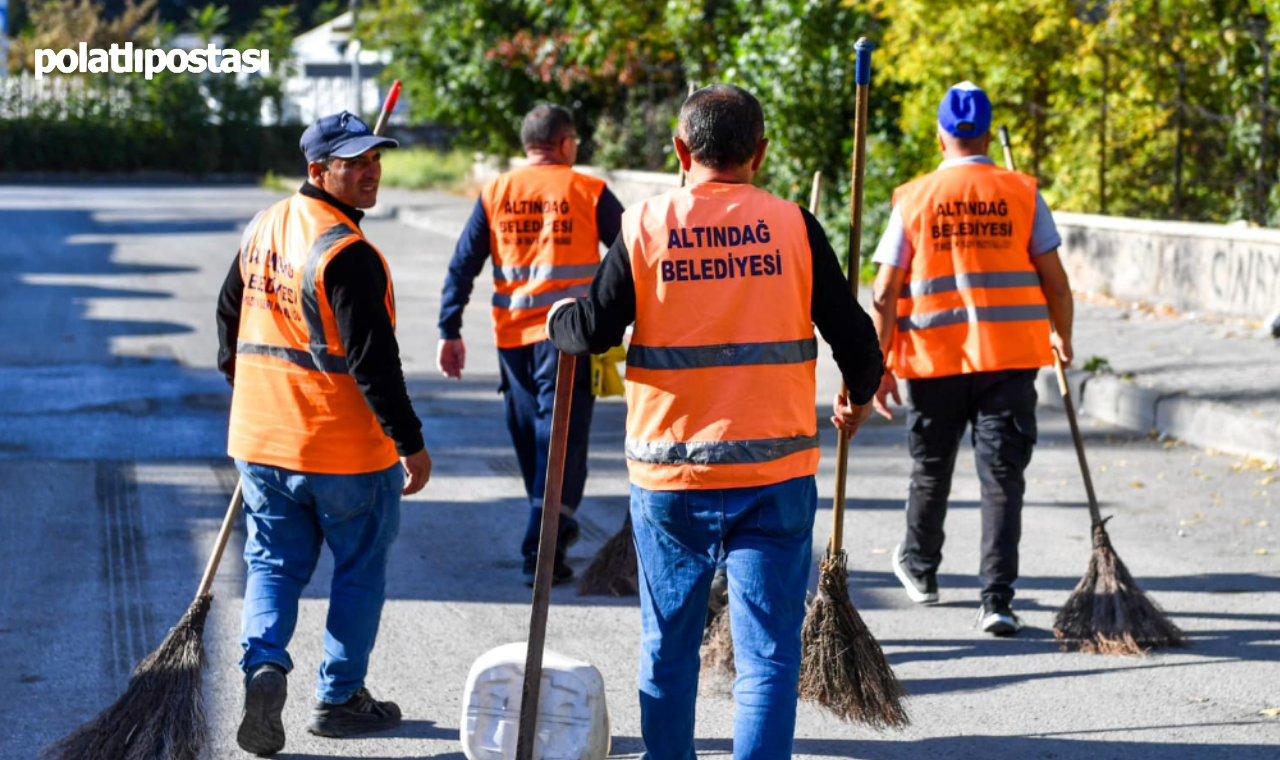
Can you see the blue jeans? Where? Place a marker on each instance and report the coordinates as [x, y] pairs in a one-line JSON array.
[[288, 515], [529, 391], [767, 533]]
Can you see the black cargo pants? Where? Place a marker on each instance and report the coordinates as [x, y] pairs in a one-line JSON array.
[[1001, 408]]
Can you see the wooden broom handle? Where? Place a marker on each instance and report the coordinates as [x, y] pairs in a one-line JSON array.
[[863, 47], [224, 533], [1095, 514], [546, 556]]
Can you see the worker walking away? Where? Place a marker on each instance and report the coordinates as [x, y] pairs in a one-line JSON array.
[[968, 289], [724, 283], [322, 431], [542, 226]]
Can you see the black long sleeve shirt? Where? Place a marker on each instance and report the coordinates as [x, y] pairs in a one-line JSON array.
[[597, 322], [356, 285]]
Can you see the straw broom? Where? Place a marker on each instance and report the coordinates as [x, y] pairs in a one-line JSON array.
[[1107, 613], [161, 714], [842, 667]]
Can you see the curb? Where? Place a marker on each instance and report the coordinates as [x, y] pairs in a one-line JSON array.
[[1200, 422]]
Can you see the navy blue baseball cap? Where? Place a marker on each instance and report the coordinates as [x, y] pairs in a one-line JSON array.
[[342, 135], [965, 111]]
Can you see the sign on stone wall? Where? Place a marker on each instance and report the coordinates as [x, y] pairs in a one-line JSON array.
[[1192, 267]]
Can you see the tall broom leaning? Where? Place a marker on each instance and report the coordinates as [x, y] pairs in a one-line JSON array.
[[717, 644], [842, 667], [1107, 613], [161, 715]]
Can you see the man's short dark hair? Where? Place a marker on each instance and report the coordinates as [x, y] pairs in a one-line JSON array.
[[722, 125], [545, 126]]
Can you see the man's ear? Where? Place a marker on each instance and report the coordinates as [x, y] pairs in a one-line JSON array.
[[683, 153], [315, 172], [758, 158]]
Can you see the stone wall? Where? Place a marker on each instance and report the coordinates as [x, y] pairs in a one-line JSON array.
[[1212, 268]]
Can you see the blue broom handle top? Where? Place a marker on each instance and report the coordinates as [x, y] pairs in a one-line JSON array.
[[863, 47]]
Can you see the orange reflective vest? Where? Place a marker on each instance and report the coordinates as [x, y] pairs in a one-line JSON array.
[[544, 243], [972, 300], [720, 371], [294, 405]]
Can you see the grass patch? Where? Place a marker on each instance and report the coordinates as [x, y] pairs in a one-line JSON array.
[[424, 169]]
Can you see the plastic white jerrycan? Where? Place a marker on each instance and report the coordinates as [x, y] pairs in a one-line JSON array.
[[573, 721]]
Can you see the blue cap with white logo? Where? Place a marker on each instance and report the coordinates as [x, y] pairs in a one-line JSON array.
[[965, 111], [342, 135]]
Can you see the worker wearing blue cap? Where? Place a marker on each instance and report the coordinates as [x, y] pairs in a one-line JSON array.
[[322, 431], [970, 300]]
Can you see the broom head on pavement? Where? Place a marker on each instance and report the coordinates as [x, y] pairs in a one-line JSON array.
[[1108, 613], [613, 571], [161, 714], [717, 645], [842, 667]]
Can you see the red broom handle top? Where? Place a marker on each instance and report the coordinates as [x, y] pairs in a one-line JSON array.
[[388, 106]]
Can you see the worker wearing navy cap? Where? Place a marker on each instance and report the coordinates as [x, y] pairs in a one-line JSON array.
[[322, 431], [970, 300]]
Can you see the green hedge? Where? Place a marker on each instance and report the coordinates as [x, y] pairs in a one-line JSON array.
[[38, 145]]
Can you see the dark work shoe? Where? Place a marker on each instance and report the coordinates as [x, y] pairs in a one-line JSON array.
[[998, 619], [561, 573], [569, 533], [261, 730], [362, 714], [921, 590]]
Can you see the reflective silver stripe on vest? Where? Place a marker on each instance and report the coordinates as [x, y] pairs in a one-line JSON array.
[[244, 239], [973, 314], [503, 301], [310, 300], [724, 355], [718, 452], [544, 272], [970, 281], [329, 364]]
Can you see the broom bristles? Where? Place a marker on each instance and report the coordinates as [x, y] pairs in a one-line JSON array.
[[613, 571], [1108, 613], [842, 667], [717, 645], [161, 715]]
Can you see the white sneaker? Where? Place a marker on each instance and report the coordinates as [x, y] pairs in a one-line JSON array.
[[998, 619], [920, 590]]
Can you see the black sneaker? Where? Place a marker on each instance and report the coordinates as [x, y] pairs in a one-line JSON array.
[[261, 729], [362, 714], [560, 573], [921, 590], [998, 619], [719, 598]]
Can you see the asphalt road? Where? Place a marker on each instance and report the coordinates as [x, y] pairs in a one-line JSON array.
[[112, 435]]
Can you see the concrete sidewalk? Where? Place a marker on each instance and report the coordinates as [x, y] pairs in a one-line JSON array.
[[1209, 384], [1215, 385]]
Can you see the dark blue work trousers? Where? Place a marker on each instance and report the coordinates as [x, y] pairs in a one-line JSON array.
[[1000, 410], [529, 389]]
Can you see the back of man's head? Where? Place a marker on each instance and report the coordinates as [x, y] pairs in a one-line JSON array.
[[722, 125], [545, 126]]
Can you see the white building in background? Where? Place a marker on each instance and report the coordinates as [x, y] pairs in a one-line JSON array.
[[319, 81]]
